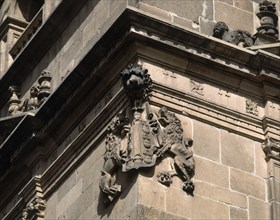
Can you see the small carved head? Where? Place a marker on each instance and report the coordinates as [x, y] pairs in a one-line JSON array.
[[219, 29], [136, 81], [34, 91]]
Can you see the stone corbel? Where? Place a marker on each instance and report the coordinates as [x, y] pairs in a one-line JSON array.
[[271, 149], [35, 205], [137, 136]]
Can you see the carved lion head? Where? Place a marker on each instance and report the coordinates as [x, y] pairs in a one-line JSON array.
[[137, 82]]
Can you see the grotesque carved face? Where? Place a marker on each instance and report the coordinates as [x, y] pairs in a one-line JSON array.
[[219, 29], [136, 81]]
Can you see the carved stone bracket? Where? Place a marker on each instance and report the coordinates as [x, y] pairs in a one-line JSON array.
[[238, 37], [34, 210], [136, 137], [38, 94], [271, 149], [35, 204]]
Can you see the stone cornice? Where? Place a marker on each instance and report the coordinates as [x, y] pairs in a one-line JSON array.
[[130, 26]]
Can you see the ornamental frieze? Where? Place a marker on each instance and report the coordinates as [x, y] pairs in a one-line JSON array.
[[138, 136]]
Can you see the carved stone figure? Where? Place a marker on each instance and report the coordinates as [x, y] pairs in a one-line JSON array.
[[136, 137], [237, 37], [32, 102], [38, 94], [176, 144]]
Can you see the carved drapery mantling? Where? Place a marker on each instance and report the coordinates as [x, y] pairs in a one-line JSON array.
[[136, 137], [271, 149]]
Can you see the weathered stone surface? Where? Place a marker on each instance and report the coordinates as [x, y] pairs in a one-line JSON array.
[[145, 212], [237, 151], [232, 19], [72, 195], [206, 142], [187, 9], [230, 2], [69, 183], [258, 209], [151, 193], [185, 23], [237, 213], [212, 172], [191, 207], [50, 212], [260, 162], [245, 5], [206, 26], [247, 183], [221, 194], [81, 204], [155, 11], [273, 189]]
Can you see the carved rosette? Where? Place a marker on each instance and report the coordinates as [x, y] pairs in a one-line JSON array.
[[271, 149], [136, 137]]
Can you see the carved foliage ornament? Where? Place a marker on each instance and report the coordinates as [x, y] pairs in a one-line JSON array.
[[136, 137], [38, 94], [34, 209]]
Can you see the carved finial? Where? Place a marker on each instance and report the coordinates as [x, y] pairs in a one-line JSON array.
[[14, 102], [44, 86], [238, 37], [268, 19]]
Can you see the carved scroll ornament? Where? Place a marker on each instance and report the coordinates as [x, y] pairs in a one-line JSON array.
[[138, 136]]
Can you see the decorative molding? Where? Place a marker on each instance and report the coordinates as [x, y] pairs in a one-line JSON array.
[[136, 137], [197, 88], [252, 107], [238, 37], [271, 149]]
